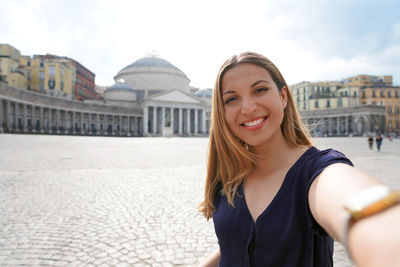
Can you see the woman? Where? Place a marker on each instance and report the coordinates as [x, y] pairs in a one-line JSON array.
[[275, 199]]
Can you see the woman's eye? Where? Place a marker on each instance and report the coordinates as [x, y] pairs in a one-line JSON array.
[[261, 89], [229, 99]]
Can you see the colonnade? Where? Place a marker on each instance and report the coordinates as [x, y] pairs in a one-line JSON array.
[[181, 121], [359, 124], [33, 118]]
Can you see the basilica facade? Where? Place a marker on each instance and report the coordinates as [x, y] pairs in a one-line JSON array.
[[150, 97]]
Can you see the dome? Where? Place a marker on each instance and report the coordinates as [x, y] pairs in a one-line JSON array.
[[153, 75], [120, 91], [120, 86], [152, 62]]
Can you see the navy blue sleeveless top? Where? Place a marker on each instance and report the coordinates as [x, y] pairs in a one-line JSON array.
[[285, 234]]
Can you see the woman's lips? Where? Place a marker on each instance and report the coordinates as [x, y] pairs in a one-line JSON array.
[[254, 124]]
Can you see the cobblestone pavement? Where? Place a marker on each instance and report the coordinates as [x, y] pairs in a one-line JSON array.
[[95, 201]]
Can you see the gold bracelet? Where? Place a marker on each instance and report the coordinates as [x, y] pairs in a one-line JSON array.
[[368, 202]]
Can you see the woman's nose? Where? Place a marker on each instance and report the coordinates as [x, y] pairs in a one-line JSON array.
[[248, 106]]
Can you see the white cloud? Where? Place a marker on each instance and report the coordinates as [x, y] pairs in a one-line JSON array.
[[196, 36]]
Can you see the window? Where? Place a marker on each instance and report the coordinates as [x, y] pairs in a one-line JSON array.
[[28, 63], [41, 87], [52, 70], [29, 74], [355, 93], [328, 103], [373, 94], [41, 64], [339, 103], [316, 104], [389, 94], [382, 93], [41, 75]]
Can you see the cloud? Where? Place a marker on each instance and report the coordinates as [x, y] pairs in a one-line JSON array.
[[307, 39]]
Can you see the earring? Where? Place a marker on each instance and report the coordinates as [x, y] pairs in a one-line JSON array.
[[247, 146]]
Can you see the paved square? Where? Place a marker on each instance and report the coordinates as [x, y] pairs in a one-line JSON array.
[[99, 201]]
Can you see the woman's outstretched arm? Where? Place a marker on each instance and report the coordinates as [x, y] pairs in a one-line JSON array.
[[212, 260], [372, 241]]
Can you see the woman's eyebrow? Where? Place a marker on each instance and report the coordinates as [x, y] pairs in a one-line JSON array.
[[228, 92], [259, 81]]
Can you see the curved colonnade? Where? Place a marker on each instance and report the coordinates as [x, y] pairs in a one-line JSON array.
[[24, 111], [356, 121]]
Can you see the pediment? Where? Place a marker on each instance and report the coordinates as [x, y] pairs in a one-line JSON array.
[[175, 96]]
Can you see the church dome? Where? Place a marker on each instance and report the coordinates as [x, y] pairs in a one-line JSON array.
[[154, 74], [120, 91], [152, 62]]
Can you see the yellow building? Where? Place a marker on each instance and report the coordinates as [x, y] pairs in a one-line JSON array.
[[10, 69], [50, 74], [387, 96], [322, 95], [351, 92]]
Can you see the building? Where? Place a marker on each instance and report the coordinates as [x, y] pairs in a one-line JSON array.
[[150, 97], [359, 105], [49, 74], [84, 87], [10, 70]]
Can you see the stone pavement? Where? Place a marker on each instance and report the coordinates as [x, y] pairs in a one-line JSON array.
[[99, 201]]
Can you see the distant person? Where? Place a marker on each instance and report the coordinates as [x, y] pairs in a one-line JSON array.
[[275, 199], [378, 141], [370, 142]]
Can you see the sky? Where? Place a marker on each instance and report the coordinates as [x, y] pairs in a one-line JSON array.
[[308, 40]]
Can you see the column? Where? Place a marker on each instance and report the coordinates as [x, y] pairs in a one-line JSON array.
[[81, 122], [203, 121], [162, 121], [196, 121], [113, 125], [180, 122], [8, 113], [57, 121], [1, 115], [154, 120], [73, 121], [172, 120], [346, 125], [188, 121], [24, 117], [121, 125], [41, 120], [33, 120], [145, 120], [98, 124], [50, 126], [90, 123], [16, 116], [129, 126], [338, 122]]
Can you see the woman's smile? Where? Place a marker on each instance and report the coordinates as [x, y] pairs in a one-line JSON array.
[[255, 124]]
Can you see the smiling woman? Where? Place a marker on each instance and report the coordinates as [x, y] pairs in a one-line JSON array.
[[275, 199]]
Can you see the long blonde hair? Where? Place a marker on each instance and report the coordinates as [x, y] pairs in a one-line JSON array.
[[229, 161]]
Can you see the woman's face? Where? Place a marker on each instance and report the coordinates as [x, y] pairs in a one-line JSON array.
[[254, 107]]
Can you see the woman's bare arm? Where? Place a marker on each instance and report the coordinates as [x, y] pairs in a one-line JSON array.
[[212, 260], [373, 241]]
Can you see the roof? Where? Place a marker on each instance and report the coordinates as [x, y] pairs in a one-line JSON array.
[[120, 87], [152, 62]]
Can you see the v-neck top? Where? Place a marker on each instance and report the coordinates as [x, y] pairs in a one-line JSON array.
[[285, 233]]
